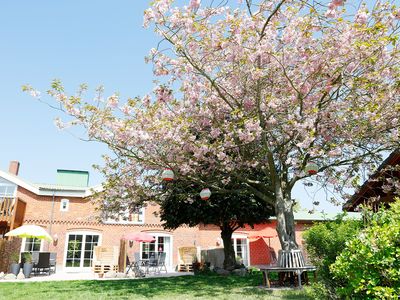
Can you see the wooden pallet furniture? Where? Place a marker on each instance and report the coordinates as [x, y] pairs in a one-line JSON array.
[[105, 259], [187, 255], [289, 262]]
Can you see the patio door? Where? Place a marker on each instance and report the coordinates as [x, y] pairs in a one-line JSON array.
[[163, 243], [241, 247], [79, 250]]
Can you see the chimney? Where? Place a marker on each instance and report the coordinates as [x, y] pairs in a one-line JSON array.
[[14, 167]]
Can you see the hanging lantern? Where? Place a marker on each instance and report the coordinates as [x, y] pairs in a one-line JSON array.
[[205, 194], [167, 175], [312, 168]]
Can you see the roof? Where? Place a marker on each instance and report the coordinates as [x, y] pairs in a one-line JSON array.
[[320, 216], [50, 189], [369, 186]]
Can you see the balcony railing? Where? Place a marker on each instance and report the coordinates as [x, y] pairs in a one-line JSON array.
[[7, 209]]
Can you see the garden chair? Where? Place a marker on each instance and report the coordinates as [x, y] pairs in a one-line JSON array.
[[152, 263], [135, 265], [43, 264], [53, 261], [161, 262]]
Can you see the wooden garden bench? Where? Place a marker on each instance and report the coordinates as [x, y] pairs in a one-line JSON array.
[[289, 261]]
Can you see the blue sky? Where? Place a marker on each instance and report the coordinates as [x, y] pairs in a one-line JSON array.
[[97, 42], [93, 42]]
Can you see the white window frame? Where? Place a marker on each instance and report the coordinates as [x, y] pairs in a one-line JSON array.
[[62, 204], [79, 232], [237, 236], [169, 260], [23, 244], [120, 221]]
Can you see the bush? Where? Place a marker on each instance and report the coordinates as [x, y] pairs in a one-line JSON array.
[[324, 242], [370, 263]]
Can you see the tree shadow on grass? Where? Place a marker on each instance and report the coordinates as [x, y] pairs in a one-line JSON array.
[[193, 286], [189, 287]]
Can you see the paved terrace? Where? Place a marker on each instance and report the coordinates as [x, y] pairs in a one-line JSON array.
[[60, 276]]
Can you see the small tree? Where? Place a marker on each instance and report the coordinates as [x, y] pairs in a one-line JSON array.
[[227, 211]]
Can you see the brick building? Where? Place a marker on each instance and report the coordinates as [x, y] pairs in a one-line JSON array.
[[65, 211]]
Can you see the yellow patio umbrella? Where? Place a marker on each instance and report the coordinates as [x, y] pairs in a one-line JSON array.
[[30, 231]]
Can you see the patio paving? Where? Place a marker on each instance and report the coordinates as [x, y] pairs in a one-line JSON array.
[[61, 276]]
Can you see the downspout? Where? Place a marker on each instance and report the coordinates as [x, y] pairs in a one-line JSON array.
[[51, 217]]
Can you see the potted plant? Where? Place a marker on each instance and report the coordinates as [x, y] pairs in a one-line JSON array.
[[14, 263], [28, 264]]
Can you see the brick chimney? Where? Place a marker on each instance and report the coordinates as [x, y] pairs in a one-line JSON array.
[[14, 167]]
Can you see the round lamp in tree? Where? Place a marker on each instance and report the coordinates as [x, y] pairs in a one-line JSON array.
[[205, 194], [312, 168], [167, 175]]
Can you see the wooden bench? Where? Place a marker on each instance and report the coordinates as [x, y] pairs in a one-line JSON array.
[[289, 261]]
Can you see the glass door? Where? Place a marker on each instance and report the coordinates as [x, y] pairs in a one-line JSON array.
[[161, 244], [241, 249], [79, 250]]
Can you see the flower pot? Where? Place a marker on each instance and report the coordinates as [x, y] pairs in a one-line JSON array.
[[14, 268], [27, 269]]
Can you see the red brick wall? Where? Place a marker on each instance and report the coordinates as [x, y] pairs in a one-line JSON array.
[[40, 207]]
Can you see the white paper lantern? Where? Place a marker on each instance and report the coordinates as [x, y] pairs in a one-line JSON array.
[[168, 175], [312, 168], [205, 194]]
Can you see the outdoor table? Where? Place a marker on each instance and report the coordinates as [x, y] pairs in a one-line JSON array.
[[277, 269]]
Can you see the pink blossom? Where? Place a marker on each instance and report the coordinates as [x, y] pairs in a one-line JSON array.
[[112, 101], [337, 2], [194, 4], [35, 94], [331, 12], [361, 17]]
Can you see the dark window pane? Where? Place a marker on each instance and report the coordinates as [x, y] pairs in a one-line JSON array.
[[86, 263], [88, 247]]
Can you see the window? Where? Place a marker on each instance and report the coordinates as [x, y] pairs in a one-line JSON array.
[[136, 217], [32, 245], [7, 188], [163, 243], [241, 248], [80, 249], [64, 205]]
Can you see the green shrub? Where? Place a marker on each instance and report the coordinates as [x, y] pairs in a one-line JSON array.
[[324, 242], [370, 263], [317, 291]]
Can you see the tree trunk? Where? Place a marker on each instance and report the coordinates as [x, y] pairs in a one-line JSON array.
[[229, 252], [285, 219]]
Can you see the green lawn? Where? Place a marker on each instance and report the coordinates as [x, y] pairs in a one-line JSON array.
[[177, 288]]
